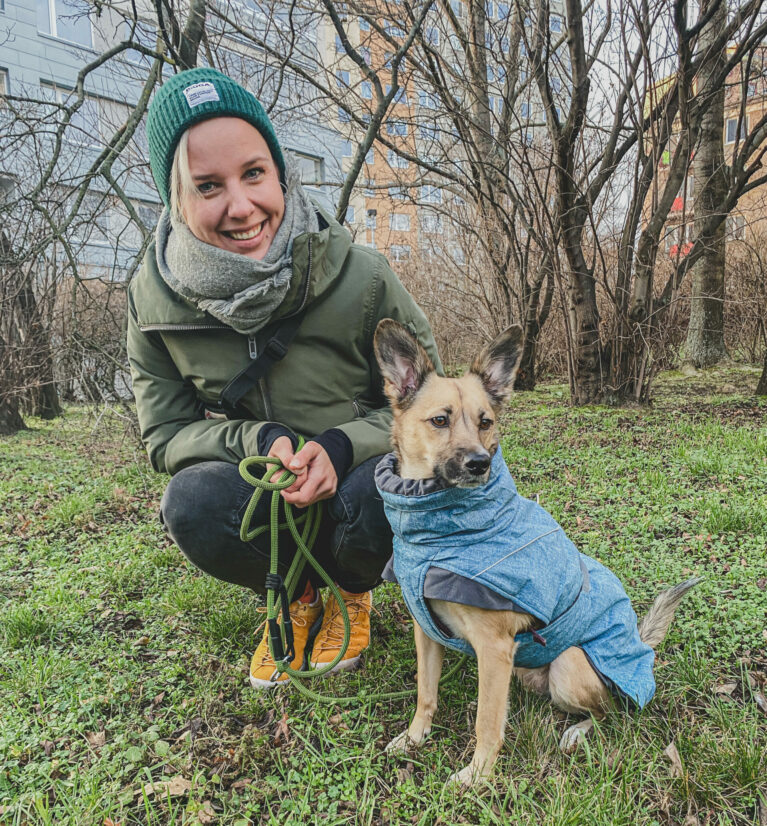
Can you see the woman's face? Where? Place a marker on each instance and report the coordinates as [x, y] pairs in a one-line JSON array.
[[241, 203]]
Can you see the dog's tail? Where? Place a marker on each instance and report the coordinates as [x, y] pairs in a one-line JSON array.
[[654, 626]]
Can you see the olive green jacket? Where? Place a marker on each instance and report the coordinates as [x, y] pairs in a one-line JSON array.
[[181, 358]]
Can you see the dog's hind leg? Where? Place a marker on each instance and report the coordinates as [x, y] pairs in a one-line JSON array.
[[534, 679], [576, 688], [429, 656]]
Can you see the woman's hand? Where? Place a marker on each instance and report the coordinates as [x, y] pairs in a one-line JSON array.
[[316, 476]]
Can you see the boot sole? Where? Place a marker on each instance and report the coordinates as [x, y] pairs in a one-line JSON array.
[[344, 665]]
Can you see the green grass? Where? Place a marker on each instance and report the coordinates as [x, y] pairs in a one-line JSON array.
[[121, 665]]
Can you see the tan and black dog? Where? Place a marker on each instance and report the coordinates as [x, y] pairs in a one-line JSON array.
[[445, 438]]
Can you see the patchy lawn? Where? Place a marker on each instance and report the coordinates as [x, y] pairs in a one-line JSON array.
[[123, 672]]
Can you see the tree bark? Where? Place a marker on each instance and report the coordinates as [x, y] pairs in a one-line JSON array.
[[761, 388], [705, 334]]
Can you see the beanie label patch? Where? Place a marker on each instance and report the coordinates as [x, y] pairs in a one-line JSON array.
[[199, 93]]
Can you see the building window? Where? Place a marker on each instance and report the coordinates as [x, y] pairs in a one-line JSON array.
[[342, 78], [310, 168], [399, 252], [399, 221], [66, 19], [555, 23], [431, 223], [366, 90], [428, 131], [339, 46], [3, 86], [400, 96], [370, 191], [346, 151], [459, 10], [365, 53], [736, 227], [370, 156], [396, 127], [556, 84], [503, 11], [394, 31], [370, 219], [458, 255], [524, 110], [397, 162], [431, 194], [431, 36], [343, 115], [428, 100], [398, 193], [85, 124], [731, 129], [489, 9], [364, 24], [389, 57], [350, 215]]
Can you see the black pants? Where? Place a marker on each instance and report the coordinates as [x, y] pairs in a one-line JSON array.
[[204, 504]]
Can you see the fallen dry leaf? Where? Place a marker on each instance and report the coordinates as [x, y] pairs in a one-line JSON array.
[[175, 787], [142, 640], [725, 688], [614, 760], [47, 747], [761, 808], [760, 701], [281, 732], [96, 739], [404, 774], [109, 822], [239, 785], [207, 814], [691, 820], [337, 721], [672, 754]]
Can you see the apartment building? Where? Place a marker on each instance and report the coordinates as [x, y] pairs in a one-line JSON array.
[[745, 105], [400, 206], [47, 42]]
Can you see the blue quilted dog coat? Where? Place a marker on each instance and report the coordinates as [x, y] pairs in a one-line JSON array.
[[493, 536]]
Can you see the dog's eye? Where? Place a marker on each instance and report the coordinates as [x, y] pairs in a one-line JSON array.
[[485, 424], [439, 421]]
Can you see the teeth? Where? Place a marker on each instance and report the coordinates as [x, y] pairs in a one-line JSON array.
[[246, 236]]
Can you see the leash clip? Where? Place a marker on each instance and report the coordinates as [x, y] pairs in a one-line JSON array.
[[286, 653]]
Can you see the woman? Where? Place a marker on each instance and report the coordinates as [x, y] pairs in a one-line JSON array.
[[240, 254]]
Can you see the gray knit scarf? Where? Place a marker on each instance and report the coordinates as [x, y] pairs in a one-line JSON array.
[[239, 291]]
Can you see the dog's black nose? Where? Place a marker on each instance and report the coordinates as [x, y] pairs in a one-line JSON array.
[[477, 463]]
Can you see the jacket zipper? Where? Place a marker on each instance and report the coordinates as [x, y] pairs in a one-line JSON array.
[[253, 346], [253, 353], [150, 328]]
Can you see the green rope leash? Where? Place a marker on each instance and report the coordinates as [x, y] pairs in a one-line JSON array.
[[279, 639]]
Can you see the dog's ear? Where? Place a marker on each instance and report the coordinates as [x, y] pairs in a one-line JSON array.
[[498, 363], [403, 362]]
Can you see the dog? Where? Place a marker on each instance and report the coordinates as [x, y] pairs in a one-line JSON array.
[[485, 571]]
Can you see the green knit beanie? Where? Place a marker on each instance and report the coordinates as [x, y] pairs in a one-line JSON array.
[[193, 96]]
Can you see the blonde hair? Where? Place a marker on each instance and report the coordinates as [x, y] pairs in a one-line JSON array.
[[182, 186]]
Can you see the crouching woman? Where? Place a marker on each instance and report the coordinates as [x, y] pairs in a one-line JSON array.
[[240, 251]]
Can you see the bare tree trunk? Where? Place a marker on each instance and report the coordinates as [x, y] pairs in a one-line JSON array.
[[43, 395], [761, 388], [705, 334], [10, 417]]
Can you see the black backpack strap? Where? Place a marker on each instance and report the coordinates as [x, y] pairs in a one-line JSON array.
[[274, 351]]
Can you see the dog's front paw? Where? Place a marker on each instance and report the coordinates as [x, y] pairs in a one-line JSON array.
[[467, 778], [401, 744]]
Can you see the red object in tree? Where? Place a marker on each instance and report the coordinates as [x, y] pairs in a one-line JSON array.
[[677, 205], [674, 250]]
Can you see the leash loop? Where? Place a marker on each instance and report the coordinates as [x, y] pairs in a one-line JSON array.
[[280, 590]]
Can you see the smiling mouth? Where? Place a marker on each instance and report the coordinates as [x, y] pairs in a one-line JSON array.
[[246, 234]]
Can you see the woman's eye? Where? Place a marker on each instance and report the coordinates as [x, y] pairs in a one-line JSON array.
[[205, 187], [439, 421], [485, 424], [256, 172]]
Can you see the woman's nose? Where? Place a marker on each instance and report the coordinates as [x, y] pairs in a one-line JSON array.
[[240, 205]]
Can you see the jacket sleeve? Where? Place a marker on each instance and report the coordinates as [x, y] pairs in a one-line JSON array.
[[370, 435], [173, 431]]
